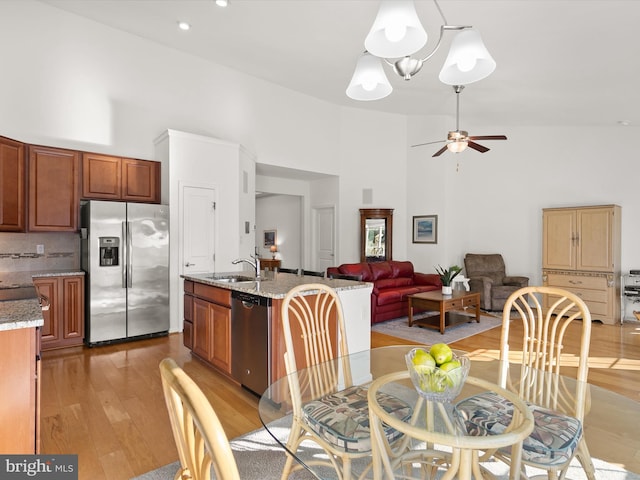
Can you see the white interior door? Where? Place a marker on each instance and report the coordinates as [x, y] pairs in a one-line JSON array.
[[324, 238], [198, 214]]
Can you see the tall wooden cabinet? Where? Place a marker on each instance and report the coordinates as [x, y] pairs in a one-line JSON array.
[[12, 186], [64, 321], [581, 253], [54, 195]]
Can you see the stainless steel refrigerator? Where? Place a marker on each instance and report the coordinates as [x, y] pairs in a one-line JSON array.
[[125, 254]]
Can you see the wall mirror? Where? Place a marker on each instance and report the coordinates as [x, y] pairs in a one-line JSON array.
[[376, 232]]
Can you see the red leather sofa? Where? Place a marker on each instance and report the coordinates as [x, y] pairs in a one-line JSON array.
[[392, 282]]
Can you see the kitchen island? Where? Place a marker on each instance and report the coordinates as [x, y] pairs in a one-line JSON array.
[[212, 317], [20, 321]]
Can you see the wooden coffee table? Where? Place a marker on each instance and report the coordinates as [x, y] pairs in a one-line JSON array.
[[447, 305]]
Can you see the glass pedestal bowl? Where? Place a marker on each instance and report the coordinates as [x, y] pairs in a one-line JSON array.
[[435, 383]]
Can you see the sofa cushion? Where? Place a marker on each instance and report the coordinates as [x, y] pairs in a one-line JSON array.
[[393, 283], [401, 269], [380, 270], [361, 269]]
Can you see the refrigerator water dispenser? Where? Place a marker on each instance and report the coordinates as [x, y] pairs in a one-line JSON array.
[[109, 247]]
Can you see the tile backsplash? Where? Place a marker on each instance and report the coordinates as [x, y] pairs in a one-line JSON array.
[[19, 253]]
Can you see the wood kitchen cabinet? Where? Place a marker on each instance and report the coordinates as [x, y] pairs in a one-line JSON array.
[[114, 178], [54, 200], [12, 186], [211, 310], [581, 253], [20, 386], [64, 321]]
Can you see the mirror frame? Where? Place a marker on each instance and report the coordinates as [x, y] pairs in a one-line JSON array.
[[376, 213]]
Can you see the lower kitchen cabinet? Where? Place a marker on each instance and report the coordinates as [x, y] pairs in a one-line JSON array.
[[64, 321], [20, 386], [211, 326]]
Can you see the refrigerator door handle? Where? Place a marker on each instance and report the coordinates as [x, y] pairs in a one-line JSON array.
[[124, 255], [129, 256]]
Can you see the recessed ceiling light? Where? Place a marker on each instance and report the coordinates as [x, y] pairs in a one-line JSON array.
[[624, 123], [222, 3], [184, 26]]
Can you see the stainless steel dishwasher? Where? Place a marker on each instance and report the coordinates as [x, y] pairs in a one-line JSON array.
[[251, 340]]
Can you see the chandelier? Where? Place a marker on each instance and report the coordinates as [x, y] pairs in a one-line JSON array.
[[397, 34]]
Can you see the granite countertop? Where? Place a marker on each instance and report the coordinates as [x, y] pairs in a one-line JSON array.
[[15, 314], [274, 285], [26, 312]]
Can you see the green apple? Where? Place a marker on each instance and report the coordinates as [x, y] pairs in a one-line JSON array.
[[441, 353], [453, 372], [424, 359]]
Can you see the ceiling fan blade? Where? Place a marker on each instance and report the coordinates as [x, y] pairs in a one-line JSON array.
[[477, 146], [440, 152], [488, 137], [427, 143]]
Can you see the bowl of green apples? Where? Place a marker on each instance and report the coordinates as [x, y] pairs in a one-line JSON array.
[[437, 372]]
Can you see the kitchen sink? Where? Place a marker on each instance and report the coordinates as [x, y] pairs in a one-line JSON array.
[[232, 278], [17, 292]]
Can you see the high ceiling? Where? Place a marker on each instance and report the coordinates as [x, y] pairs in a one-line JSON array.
[[560, 62]]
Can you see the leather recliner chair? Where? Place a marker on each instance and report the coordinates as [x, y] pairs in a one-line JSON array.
[[486, 273]]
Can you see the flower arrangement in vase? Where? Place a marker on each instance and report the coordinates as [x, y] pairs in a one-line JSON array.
[[446, 277]]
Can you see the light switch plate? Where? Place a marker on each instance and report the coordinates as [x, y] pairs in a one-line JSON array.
[[40, 249]]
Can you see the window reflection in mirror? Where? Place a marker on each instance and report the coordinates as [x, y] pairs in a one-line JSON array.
[[375, 235], [376, 231]]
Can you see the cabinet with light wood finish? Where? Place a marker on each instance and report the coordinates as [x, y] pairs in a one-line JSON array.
[[12, 186], [64, 321], [113, 178], [54, 200], [20, 385], [581, 253]]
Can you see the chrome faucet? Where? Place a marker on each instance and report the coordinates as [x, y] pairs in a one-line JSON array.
[[255, 264]]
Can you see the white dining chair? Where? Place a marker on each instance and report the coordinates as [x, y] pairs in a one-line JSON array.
[[328, 408], [552, 378], [202, 444]]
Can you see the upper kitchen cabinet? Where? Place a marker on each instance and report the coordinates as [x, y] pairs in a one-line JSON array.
[[12, 186], [53, 189], [114, 178]]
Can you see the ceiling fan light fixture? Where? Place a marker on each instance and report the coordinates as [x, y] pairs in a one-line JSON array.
[[369, 81], [457, 146], [396, 31], [468, 60]]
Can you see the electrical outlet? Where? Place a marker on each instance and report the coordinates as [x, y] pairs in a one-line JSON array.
[[40, 249]]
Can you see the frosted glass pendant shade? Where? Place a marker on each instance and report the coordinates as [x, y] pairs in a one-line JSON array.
[[397, 31], [468, 60], [369, 81], [456, 147]]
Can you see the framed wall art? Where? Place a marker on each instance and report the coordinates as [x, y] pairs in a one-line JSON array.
[[269, 238], [425, 229]]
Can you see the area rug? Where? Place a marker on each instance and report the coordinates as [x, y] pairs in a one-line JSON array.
[[259, 458], [400, 328]]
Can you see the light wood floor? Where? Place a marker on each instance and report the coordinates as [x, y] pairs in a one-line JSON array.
[[106, 405]]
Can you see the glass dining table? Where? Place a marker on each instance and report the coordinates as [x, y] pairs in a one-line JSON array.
[[611, 435]]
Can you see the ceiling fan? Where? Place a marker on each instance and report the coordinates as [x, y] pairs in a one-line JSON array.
[[458, 140]]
